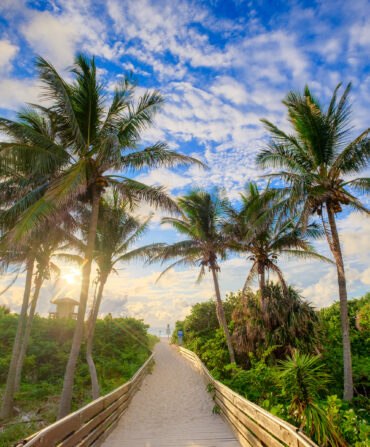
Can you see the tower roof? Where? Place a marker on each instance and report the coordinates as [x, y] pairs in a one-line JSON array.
[[65, 300]]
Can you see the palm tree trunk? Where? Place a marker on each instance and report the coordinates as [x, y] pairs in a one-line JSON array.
[[262, 280], [221, 315], [66, 397], [8, 400], [261, 284], [337, 253], [90, 338], [31, 314]]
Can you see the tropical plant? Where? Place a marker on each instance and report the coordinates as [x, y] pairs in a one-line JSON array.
[[201, 222], [8, 398], [45, 251], [96, 141], [303, 379], [117, 233], [331, 342], [318, 162], [261, 229], [29, 159], [286, 321]]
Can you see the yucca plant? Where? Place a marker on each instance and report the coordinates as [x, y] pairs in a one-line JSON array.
[[303, 379], [319, 162]]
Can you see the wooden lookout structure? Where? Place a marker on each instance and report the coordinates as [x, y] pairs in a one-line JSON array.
[[65, 308]]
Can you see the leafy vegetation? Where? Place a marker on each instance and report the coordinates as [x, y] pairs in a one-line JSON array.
[[122, 346], [289, 360]]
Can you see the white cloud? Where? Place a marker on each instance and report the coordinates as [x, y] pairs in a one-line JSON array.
[[166, 27], [230, 89], [7, 54], [55, 38], [166, 177], [354, 236], [15, 93], [360, 35]]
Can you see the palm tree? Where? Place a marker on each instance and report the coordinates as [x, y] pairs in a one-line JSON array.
[[318, 162], [28, 160], [201, 222], [45, 251], [95, 141], [286, 322], [8, 399], [117, 233], [262, 230]]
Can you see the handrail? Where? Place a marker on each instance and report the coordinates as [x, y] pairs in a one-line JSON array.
[[91, 424], [252, 425]]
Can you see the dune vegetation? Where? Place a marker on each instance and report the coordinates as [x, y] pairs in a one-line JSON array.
[[121, 346], [289, 359]]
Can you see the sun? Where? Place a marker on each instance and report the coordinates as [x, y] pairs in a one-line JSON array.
[[71, 276]]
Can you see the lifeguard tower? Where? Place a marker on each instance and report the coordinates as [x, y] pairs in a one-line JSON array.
[[65, 308]]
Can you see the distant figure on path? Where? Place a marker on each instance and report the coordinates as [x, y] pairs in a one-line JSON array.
[[168, 331]]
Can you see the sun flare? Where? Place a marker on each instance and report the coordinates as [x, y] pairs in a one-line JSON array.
[[72, 276]]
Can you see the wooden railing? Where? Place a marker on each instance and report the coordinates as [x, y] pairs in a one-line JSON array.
[[252, 425], [89, 425]]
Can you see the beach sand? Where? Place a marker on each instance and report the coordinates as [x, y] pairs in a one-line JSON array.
[[171, 409]]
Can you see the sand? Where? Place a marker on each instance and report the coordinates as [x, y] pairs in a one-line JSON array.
[[171, 409]]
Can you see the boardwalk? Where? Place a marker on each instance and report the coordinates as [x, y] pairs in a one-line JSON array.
[[172, 409]]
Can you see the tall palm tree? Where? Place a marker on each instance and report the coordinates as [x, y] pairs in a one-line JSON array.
[[45, 251], [117, 233], [8, 399], [95, 141], [201, 222], [263, 231], [318, 162], [28, 160]]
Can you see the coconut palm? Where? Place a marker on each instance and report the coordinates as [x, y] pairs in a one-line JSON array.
[[319, 161], [97, 140], [117, 233], [263, 231], [46, 250], [28, 258], [201, 222], [28, 160]]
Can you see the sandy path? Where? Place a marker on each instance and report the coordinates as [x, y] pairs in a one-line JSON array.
[[171, 409]]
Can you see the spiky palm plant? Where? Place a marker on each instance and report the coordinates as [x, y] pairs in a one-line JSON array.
[[303, 379], [94, 140], [263, 231], [318, 161], [201, 223]]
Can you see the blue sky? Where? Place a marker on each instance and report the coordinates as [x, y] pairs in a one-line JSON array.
[[222, 65]]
